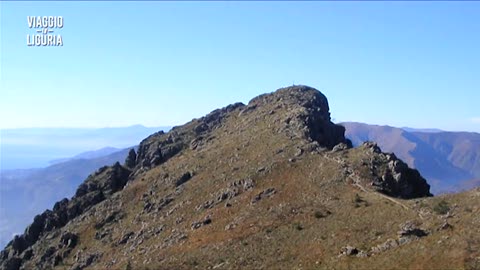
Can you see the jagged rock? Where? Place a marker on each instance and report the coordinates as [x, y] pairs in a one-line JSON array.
[[86, 260], [215, 118], [101, 234], [389, 244], [234, 189], [206, 205], [27, 254], [312, 122], [12, 263], [339, 147], [160, 147], [362, 254], [397, 179], [48, 254], [409, 228], [124, 239], [183, 179], [108, 182], [164, 202], [114, 216], [18, 244], [264, 194], [207, 220], [69, 240], [299, 152], [225, 194], [408, 233], [349, 251], [372, 146], [230, 226], [195, 143], [245, 184], [131, 159]]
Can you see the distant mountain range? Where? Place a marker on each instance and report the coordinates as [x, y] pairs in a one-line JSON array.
[[26, 148], [427, 130], [89, 154], [450, 161]]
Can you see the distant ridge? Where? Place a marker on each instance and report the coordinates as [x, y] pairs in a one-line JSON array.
[[27, 148], [427, 130], [449, 160], [89, 154]]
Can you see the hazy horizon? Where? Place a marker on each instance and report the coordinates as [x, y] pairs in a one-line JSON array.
[[27, 148], [427, 128], [396, 63], [80, 127]]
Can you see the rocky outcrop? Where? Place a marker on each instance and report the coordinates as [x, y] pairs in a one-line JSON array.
[[308, 118], [159, 147], [409, 231], [131, 159], [393, 177], [309, 114]]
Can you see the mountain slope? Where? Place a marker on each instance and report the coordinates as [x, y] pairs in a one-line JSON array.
[[462, 149], [449, 160], [271, 184]]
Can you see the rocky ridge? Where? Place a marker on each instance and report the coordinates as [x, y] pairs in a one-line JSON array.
[[177, 183]]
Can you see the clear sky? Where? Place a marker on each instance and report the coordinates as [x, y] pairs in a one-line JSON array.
[[411, 64]]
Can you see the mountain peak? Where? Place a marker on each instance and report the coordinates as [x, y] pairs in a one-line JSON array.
[[299, 112], [212, 182], [307, 111]]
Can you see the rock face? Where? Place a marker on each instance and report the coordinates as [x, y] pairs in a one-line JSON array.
[[309, 114], [396, 179], [267, 162], [308, 118], [131, 159]]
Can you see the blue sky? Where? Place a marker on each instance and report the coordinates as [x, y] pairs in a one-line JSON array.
[[163, 63]]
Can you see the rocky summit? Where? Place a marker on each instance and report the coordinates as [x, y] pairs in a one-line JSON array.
[[272, 184]]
